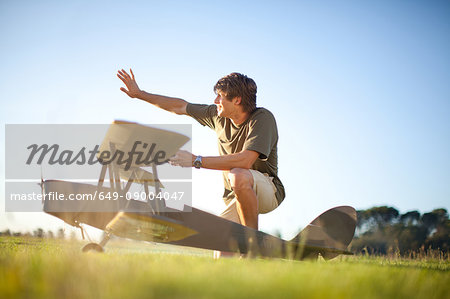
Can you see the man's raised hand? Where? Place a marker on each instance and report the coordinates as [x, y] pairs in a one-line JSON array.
[[133, 89]]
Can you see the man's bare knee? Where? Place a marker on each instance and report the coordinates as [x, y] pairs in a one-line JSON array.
[[240, 178]]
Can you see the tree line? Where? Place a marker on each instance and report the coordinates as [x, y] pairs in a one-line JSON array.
[[381, 229], [38, 233]]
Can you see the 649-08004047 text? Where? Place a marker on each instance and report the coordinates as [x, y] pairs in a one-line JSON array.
[[103, 195]]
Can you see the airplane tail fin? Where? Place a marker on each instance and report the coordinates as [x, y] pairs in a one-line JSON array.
[[333, 229]]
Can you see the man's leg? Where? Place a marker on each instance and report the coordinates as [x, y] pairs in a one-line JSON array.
[[266, 201], [247, 204]]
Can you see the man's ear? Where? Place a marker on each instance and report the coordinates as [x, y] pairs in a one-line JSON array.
[[237, 100]]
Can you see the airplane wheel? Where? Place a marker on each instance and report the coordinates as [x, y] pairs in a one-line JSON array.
[[92, 247]]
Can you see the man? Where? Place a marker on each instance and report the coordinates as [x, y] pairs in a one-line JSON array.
[[247, 138]]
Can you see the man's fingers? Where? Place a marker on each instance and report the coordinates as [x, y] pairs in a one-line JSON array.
[[173, 162], [132, 75], [125, 74], [122, 78], [125, 91]]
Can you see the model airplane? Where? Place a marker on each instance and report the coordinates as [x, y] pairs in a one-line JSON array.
[[151, 220]]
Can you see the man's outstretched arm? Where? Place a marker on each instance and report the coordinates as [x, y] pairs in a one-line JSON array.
[[174, 105]]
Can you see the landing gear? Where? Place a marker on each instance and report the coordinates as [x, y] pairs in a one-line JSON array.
[[97, 247], [92, 247]]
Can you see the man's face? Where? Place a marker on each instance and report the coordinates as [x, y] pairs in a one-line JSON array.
[[224, 106]]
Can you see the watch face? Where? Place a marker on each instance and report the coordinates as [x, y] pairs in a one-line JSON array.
[[198, 162]]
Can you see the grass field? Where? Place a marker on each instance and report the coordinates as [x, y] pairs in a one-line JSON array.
[[47, 268]]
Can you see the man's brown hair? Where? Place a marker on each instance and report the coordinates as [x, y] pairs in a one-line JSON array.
[[238, 85]]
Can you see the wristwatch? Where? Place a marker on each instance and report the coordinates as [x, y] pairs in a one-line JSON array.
[[197, 162]]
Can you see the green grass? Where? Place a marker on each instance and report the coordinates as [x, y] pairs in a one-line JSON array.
[[43, 268]]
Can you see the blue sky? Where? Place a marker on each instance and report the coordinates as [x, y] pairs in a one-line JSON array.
[[360, 89]]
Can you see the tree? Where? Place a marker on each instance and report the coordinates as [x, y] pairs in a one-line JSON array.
[[60, 234], [434, 219], [375, 218], [39, 233], [382, 228], [410, 218], [6, 233]]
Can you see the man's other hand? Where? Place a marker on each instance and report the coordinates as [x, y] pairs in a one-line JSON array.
[[183, 159], [133, 89]]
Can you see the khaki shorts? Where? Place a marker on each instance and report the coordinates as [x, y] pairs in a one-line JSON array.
[[265, 193]]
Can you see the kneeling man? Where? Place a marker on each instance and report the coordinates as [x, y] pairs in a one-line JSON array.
[[247, 138]]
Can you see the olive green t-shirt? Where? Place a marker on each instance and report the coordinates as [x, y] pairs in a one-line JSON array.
[[258, 133]]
